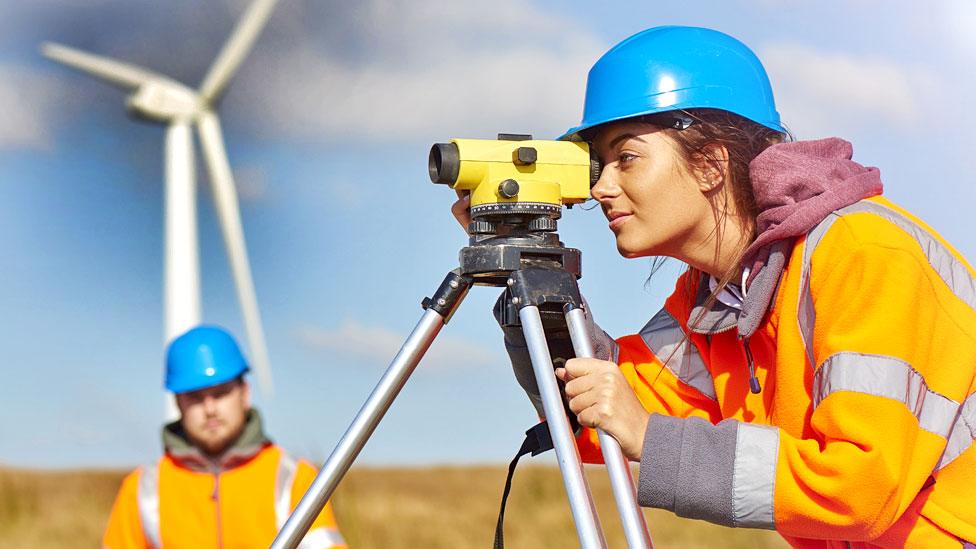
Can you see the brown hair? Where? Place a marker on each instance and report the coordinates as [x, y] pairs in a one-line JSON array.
[[743, 139]]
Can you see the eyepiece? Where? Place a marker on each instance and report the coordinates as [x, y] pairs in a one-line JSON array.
[[444, 163], [595, 167]]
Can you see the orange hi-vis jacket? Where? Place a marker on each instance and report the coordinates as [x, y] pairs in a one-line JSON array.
[[863, 432], [186, 501]]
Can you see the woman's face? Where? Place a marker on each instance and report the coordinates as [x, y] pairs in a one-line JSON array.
[[655, 205]]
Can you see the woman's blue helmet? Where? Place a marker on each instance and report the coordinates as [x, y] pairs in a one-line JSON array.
[[203, 357], [670, 68]]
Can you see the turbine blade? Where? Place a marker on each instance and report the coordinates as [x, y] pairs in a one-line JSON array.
[[118, 73], [225, 198], [236, 48]]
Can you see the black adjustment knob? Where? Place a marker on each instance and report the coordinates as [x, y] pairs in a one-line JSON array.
[[480, 226], [542, 224], [595, 168], [526, 156], [508, 188]]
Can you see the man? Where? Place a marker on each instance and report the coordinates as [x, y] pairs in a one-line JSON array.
[[221, 482]]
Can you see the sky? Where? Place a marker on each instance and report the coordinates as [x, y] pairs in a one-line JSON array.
[[328, 124]]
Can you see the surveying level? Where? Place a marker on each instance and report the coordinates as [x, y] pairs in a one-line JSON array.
[[518, 187], [515, 176]]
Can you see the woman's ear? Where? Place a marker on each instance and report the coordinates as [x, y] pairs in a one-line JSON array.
[[711, 167]]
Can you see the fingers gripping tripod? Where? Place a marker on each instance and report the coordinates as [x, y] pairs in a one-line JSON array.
[[540, 275]]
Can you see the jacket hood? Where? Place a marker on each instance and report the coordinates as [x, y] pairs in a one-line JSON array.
[[252, 440], [796, 185]]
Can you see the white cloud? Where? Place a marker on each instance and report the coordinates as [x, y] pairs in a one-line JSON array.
[[430, 70], [376, 70], [380, 345], [821, 92], [30, 101], [960, 19]]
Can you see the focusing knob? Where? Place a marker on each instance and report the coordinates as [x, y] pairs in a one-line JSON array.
[[508, 188], [546, 224], [595, 168]]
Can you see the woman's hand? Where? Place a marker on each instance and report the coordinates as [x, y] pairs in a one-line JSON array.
[[601, 398], [462, 209]]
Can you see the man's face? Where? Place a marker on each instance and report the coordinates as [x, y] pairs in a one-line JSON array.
[[214, 417]]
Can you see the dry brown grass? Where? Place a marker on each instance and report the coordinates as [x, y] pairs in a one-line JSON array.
[[450, 507]]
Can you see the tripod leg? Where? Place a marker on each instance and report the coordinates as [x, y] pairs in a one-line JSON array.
[[439, 310], [584, 513], [635, 530]]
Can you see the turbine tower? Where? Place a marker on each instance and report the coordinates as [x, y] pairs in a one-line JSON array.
[[158, 98]]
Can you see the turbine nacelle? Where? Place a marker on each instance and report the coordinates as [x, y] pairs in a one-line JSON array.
[[163, 101]]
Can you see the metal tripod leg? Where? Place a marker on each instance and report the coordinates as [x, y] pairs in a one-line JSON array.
[[580, 501], [635, 529], [439, 310]]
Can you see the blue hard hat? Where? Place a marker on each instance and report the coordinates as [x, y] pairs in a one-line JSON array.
[[203, 357], [670, 68]]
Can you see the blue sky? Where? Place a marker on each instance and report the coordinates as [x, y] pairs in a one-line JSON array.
[[328, 124]]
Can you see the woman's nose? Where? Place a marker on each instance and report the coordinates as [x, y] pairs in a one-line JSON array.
[[606, 187]]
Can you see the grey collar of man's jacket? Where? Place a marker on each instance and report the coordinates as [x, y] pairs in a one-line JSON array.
[[251, 441], [757, 302]]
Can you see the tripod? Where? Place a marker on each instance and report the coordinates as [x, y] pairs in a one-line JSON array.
[[539, 275]]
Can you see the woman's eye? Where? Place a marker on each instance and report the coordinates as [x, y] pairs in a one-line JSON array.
[[625, 157]]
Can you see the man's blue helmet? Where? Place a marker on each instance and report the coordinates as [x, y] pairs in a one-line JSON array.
[[670, 68], [203, 357]]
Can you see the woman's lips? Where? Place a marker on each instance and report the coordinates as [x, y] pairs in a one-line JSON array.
[[618, 219]]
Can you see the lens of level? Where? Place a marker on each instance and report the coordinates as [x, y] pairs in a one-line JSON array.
[[444, 163]]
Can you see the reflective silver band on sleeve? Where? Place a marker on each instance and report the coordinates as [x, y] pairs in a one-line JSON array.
[[665, 338], [806, 316], [886, 377], [285, 478], [963, 432], [754, 476], [322, 538], [148, 502]]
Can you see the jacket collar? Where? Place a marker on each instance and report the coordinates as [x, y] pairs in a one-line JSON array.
[[758, 300], [251, 441]]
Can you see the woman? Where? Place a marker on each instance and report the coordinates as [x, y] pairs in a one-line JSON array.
[[813, 371]]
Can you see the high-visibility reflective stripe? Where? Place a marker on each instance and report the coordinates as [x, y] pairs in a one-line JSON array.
[[322, 538], [963, 432], [806, 316], [950, 269], [665, 338], [287, 468], [885, 377], [754, 476], [148, 502]]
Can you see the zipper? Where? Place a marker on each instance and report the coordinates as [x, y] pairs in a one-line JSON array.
[[216, 499]]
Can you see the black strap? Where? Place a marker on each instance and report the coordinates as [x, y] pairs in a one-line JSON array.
[[537, 440]]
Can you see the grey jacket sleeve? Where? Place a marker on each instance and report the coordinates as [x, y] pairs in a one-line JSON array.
[[722, 473]]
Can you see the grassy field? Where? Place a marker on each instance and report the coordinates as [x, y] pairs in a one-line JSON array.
[[452, 507]]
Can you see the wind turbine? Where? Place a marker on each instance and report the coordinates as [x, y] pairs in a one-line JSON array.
[[158, 98]]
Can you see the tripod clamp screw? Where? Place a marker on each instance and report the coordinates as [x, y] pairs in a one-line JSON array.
[[448, 295]]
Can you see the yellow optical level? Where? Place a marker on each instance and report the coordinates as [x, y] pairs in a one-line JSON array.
[[515, 174]]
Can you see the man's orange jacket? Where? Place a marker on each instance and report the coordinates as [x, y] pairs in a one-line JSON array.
[[863, 432], [240, 501]]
